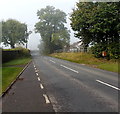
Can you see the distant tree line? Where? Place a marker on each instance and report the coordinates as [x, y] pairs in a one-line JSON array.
[[98, 24]]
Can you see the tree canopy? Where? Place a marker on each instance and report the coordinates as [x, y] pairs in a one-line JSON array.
[[97, 23], [14, 32], [51, 27]]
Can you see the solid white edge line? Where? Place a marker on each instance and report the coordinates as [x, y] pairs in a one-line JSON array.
[[69, 69], [41, 86], [46, 99], [53, 61], [107, 84], [38, 79]]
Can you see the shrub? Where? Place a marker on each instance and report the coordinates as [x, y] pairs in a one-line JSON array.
[[10, 54], [111, 49]]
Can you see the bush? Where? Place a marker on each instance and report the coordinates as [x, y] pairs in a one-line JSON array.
[[111, 49], [10, 54], [23, 52]]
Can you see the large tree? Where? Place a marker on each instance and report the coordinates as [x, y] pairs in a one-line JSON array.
[[96, 22], [14, 32], [51, 27]]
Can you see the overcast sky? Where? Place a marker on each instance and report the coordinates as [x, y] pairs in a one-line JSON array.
[[25, 12]]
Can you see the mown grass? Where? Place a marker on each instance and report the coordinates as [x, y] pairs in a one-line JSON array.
[[19, 61], [8, 75], [89, 59], [10, 71]]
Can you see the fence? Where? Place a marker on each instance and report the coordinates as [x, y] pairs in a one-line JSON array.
[[74, 50]]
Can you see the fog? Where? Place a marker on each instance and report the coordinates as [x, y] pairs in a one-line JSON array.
[[25, 12]]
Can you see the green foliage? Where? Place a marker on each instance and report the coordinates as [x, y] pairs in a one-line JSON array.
[[10, 54], [14, 32], [10, 71], [7, 78], [113, 51], [98, 23], [24, 52], [51, 27], [97, 50], [18, 61]]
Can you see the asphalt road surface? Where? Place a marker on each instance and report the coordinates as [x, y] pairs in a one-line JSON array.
[[62, 86], [26, 95], [73, 87]]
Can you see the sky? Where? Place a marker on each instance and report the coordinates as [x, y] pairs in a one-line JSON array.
[[25, 12]]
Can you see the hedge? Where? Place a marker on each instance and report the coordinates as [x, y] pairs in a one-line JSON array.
[[8, 55]]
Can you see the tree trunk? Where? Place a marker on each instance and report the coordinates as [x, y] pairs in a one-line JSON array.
[[26, 45], [12, 46]]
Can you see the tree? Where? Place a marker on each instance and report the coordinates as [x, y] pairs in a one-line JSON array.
[[52, 28], [97, 23], [14, 32], [80, 21]]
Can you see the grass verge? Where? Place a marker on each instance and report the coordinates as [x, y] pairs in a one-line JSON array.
[[10, 71], [20, 61], [9, 74], [88, 59]]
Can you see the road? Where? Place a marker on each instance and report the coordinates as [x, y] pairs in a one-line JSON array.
[[73, 87], [50, 84], [26, 95]]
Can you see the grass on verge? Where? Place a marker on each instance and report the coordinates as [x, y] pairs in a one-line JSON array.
[[88, 59], [10, 72], [8, 75], [20, 61]]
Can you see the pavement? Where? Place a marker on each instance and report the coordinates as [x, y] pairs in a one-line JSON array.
[[54, 85], [26, 95]]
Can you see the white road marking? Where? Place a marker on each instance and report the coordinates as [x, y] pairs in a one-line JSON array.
[[46, 99], [37, 74], [36, 70], [53, 61], [107, 84], [69, 69], [38, 79], [41, 86], [34, 66]]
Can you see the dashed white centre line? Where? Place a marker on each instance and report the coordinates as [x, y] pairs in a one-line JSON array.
[[37, 74], [46, 99], [41, 86], [69, 69], [52, 61], [38, 79], [107, 84], [36, 71]]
